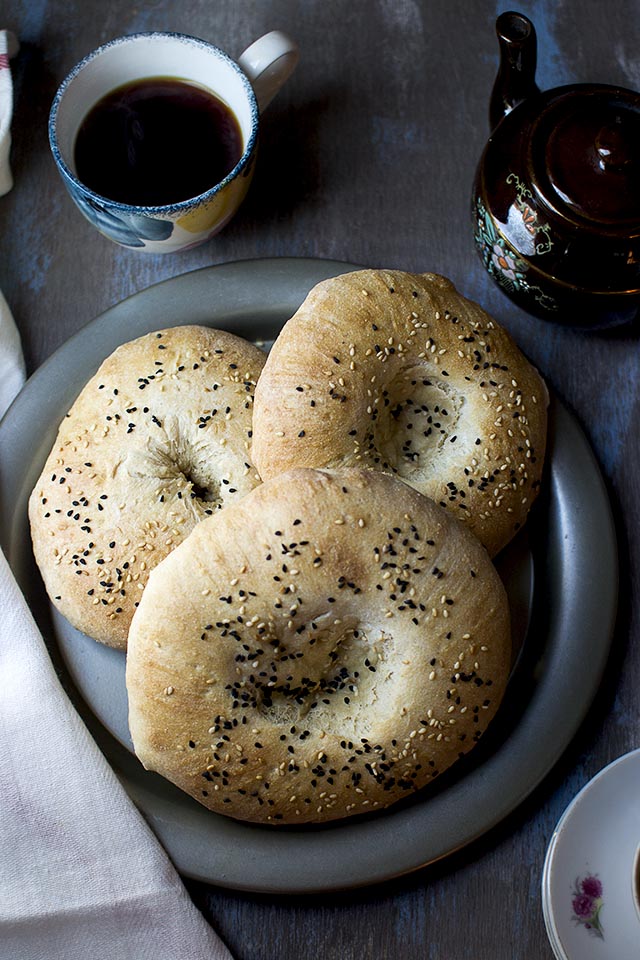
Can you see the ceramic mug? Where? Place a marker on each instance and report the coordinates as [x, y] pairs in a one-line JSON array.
[[246, 87]]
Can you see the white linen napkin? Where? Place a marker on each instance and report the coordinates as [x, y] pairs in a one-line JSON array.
[[82, 877]]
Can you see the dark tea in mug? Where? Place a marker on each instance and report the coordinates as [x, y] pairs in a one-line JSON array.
[[157, 141]]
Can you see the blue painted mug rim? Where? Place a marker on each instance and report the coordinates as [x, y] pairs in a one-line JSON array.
[[166, 209]]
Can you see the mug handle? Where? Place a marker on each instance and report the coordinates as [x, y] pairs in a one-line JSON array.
[[268, 63]]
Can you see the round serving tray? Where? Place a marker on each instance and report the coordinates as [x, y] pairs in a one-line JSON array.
[[561, 579]]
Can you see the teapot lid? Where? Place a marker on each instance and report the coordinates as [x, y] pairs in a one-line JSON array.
[[585, 156]]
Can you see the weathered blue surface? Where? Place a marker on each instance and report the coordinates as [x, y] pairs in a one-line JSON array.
[[367, 156]]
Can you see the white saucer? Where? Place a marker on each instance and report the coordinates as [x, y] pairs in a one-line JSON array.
[[590, 877]]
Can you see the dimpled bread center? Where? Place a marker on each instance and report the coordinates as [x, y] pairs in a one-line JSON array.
[[345, 663], [414, 420], [186, 461]]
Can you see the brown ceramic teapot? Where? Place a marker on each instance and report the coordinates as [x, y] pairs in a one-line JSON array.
[[556, 200]]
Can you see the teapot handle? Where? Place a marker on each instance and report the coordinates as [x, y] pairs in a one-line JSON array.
[[515, 80]]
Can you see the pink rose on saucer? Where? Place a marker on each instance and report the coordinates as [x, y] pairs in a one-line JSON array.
[[587, 903], [592, 887]]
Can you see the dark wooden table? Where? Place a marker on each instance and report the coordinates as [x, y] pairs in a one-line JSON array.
[[367, 156]]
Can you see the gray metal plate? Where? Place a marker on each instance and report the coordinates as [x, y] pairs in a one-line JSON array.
[[561, 577]]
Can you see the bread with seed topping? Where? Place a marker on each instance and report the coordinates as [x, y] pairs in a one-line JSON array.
[[157, 440], [400, 373], [340, 641]]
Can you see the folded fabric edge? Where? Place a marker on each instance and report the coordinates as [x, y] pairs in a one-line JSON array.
[[65, 897], [9, 46]]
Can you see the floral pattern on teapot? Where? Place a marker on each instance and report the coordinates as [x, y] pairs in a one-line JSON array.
[[501, 260], [522, 209]]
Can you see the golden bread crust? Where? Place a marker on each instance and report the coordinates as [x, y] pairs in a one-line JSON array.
[[157, 439], [340, 641], [400, 373]]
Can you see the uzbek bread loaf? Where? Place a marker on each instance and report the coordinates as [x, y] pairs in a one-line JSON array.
[[322, 648], [157, 440], [400, 373]]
